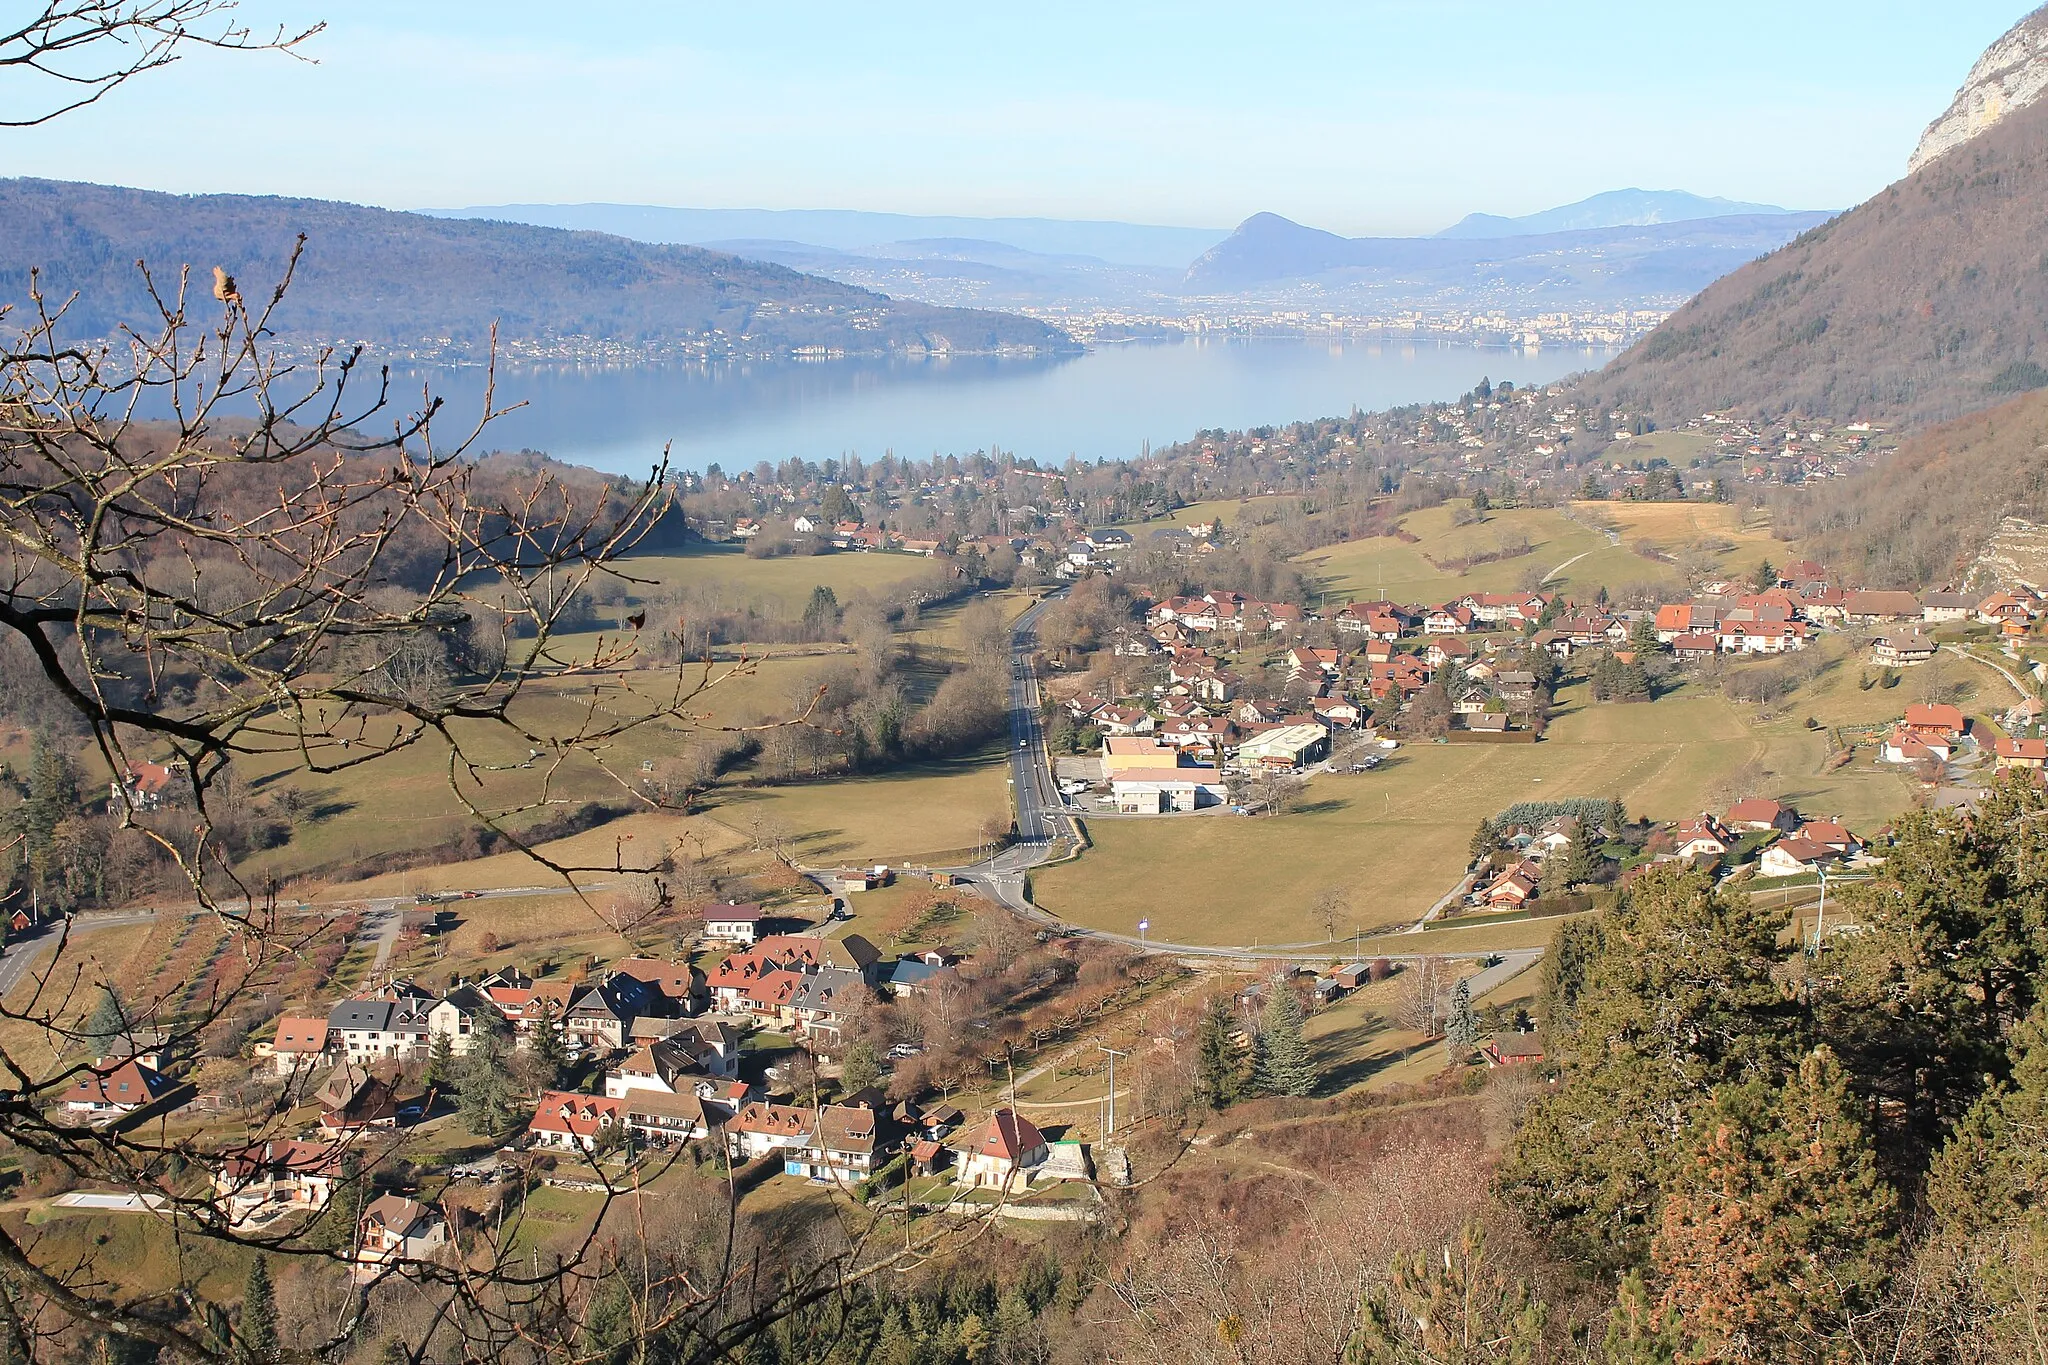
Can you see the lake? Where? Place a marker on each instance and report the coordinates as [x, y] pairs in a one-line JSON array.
[[1106, 403]]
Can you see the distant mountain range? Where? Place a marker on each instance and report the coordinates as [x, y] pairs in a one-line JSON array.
[[406, 280], [1615, 208], [1041, 263], [850, 230], [1614, 263]]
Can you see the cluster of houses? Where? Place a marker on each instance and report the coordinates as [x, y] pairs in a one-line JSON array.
[[1781, 843]]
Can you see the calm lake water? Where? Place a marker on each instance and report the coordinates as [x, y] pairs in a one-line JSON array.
[[1106, 403]]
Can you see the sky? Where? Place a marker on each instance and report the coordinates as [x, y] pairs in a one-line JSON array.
[[1359, 116]]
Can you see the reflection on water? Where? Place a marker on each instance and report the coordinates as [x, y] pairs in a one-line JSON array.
[[1107, 403]]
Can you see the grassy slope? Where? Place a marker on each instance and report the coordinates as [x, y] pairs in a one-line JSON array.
[[1394, 840]]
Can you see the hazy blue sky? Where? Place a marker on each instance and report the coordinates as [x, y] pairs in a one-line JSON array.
[[1356, 115]]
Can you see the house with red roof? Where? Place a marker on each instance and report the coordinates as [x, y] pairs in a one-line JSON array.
[[573, 1122], [1939, 721], [1755, 814], [113, 1087], [2021, 753], [1001, 1153]]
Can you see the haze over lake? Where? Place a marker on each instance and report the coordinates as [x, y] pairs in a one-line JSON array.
[[1106, 403]]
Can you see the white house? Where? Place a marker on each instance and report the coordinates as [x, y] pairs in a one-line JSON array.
[[734, 923], [396, 1229]]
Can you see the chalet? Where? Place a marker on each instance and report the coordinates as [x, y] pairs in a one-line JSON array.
[[1514, 1049], [1760, 637], [1693, 647], [113, 1087], [1487, 723], [1876, 608], [734, 923], [395, 1229], [2004, 607], [353, 1097], [2021, 753], [657, 1119], [1754, 814], [1200, 732], [841, 1147], [1513, 890], [1002, 1153], [300, 1045], [289, 1174], [1904, 746], [1901, 649], [1683, 618], [1451, 620], [1515, 685], [1109, 538], [1703, 839], [1946, 606], [1935, 719], [568, 1121], [760, 1129], [916, 976], [1794, 856]]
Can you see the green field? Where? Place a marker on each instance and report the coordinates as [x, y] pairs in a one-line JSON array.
[[779, 586], [1393, 841]]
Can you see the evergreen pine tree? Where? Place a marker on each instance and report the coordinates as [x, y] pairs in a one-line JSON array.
[[258, 1335], [1284, 1066], [1616, 819], [1988, 1192], [1461, 1030], [484, 1091], [1484, 841], [1662, 1000], [860, 1068], [1219, 1066], [107, 1022], [547, 1050], [1776, 1224], [441, 1061], [1582, 860]]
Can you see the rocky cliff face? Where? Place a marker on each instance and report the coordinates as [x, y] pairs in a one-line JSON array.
[[2012, 74]]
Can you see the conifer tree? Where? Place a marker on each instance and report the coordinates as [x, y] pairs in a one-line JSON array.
[[1677, 1000], [547, 1051], [1988, 1193], [1461, 1030], [1775, 1223], [1284, 1066], [1219, 1065], [258, 1334], [484, 1091], [1582, 860], [441, 1062]]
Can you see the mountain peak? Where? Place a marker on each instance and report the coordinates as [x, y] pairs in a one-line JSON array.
[[2012, 74], [1611, 209]]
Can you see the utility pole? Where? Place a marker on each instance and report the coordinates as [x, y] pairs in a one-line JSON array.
[[1821, 918], [1109, 1127]]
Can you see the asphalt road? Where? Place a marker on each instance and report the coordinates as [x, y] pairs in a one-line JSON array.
[[1038, 803]]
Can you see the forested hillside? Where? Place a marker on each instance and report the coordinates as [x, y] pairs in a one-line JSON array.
[[405, 279], [1923, 304]]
